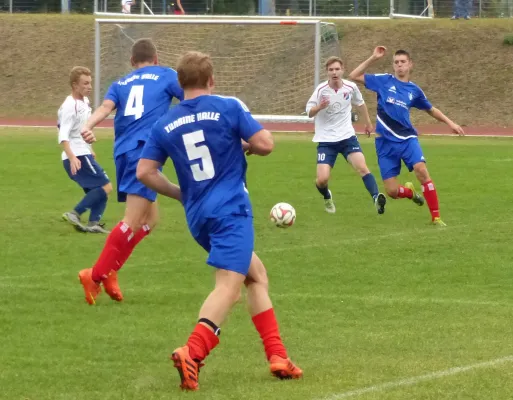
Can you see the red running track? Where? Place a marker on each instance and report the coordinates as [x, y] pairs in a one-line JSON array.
[[436, 129]]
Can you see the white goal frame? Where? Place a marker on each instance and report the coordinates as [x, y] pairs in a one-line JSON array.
[[261, 118]]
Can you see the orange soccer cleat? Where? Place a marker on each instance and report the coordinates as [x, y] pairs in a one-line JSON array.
[[91, 289], [283, 368], [187, 368], [111, 286]]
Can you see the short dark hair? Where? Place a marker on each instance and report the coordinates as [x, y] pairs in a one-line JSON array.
[[143, 50], [402, 53]]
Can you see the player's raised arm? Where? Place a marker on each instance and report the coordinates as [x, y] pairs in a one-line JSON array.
[[358, 74]]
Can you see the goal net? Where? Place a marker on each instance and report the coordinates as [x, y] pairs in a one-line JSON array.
[[273, 66]]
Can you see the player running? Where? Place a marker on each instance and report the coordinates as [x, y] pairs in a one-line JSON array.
[[202, 136], [396, 138], [330, 105], [139, 99], [78, 157]]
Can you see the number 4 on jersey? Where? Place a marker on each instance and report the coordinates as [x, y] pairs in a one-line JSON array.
[[134, 104]]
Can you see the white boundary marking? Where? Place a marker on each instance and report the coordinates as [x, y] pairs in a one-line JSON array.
[[505, 135], [424, 230], [418, 379]]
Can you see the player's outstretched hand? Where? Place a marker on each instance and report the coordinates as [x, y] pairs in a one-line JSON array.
[[88, 136], [75, 165], [379, 52], [457, 129]]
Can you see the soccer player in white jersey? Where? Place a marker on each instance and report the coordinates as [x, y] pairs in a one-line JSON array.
[[78, 157], [331, 105], [126, 6]]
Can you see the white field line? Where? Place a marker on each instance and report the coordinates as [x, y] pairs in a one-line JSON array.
[[419, 379], [180, 260]]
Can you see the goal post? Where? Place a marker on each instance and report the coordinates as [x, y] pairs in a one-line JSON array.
[[271, 65]]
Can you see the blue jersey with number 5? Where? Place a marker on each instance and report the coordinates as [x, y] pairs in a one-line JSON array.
[[141, 98], [202, 136]]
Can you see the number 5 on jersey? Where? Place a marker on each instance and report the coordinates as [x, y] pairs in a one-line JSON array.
[[134, 104], [201, 153]]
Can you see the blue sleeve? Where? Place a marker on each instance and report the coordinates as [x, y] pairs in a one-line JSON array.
[[173, 87], [421, 102], [247, 125], [374, 81], [112, 94], [153, 150]]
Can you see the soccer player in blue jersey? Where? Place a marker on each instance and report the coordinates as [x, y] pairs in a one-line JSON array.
[[140, 99], [206, 136], [396, 138]]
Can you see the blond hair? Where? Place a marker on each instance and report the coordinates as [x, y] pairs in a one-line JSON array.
[[194, 70], [76, 73], [332, 60]]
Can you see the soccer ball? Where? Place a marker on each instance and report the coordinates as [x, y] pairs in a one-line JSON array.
[[283, 215]]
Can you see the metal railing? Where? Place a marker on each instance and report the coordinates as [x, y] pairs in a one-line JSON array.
[[300, 8]]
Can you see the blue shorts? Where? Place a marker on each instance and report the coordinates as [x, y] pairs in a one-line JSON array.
[[229, 241], [390, 154], [90, 175], [327, 152], [127, 182]]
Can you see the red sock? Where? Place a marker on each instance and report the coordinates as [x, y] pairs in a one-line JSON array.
[[201, 342], [404, 192], [140, 235], [111, 255], [267, 327], [429, 191]]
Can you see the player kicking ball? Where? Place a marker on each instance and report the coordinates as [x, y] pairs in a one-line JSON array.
[[396, 138], [330, 105], [78, 157], [202, 135], [140, 99]]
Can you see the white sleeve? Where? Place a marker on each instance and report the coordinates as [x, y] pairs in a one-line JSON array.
[[312, 101], [66, 123], [357, 98]]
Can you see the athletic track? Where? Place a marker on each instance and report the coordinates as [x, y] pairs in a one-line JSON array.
[[438, 129]]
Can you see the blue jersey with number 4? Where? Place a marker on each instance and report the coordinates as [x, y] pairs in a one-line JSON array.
[[395, 98], [141, 98], [202, 136]]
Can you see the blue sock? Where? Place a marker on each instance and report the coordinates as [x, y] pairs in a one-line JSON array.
[[99, 207], [89, 200], [324, 192], [370, 184]]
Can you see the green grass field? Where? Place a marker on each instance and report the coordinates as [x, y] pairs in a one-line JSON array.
[[365, 302]]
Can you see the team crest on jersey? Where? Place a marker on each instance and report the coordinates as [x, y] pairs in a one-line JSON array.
[[410, 96], [347, 95]]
